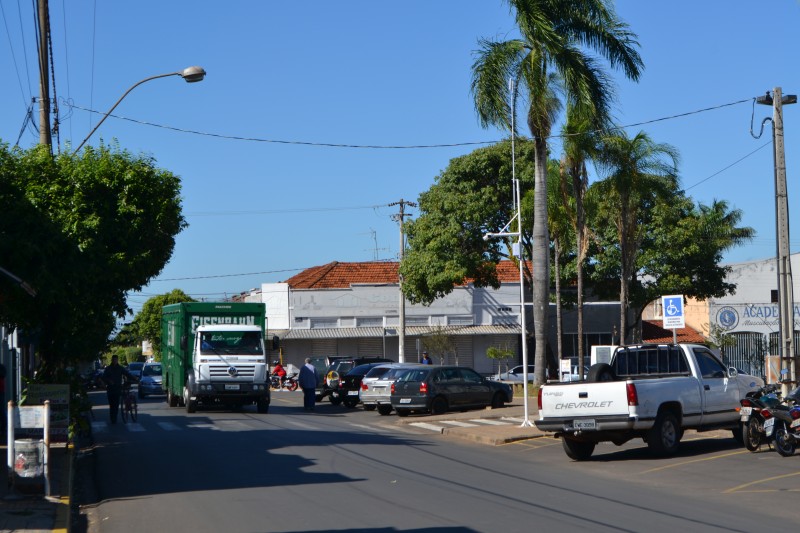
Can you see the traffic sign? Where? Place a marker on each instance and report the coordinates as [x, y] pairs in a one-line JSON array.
[[673, 311]]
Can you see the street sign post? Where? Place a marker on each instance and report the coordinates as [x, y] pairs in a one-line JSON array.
[[673, 313]]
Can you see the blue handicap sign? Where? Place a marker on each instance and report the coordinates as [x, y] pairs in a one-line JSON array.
[[673, 307]]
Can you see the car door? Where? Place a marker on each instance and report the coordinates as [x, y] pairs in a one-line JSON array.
[[448, 383], [721, 393], [476, 390]]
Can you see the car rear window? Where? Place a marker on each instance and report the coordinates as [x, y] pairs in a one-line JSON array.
[[414, 375], [378, 371]]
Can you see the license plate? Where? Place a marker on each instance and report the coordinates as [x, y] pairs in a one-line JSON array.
[[769, 425], [584, 424], [231, 387], [352, 393], [795, 423], [405, 400], [745, 411]]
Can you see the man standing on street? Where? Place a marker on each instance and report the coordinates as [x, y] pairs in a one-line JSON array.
[[308, 382], [112, 376]]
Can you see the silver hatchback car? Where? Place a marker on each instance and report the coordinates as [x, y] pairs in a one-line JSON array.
[[376, 386]]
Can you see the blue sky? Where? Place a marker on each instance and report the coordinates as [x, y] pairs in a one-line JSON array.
[[354, 72]]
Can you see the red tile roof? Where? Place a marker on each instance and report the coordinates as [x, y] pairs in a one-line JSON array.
[[653, 332], [336, 275]]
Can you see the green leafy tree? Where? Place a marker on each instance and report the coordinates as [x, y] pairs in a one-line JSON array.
[[638, 174], [445, 243], [440, 343], [146, 324], [500, 353], [88, 228], [555, 38]]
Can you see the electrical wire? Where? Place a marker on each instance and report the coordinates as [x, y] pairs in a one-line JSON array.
[[13, 55]]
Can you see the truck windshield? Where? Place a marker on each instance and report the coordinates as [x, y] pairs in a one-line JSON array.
[[230, 343]]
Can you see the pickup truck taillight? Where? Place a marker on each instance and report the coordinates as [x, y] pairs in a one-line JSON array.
[[633, 396], [539, 398]]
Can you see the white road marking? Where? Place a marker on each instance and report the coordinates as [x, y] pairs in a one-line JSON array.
[[459, 423], [491, 422], [135, 426], [425, 425], [169, 426]]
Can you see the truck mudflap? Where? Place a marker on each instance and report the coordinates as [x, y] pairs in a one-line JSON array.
[[587, 424]]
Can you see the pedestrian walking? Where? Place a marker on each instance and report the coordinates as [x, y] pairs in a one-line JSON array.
[[308, 382], [113, 376]]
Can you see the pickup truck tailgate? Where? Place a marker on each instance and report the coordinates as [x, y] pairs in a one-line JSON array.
[[608, 398]]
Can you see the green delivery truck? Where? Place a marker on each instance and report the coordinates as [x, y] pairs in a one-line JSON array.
[[214, 354]]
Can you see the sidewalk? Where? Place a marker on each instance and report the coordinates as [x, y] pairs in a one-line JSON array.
[[34, 513], [512, 429]]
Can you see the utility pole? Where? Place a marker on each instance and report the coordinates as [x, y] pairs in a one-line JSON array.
[[44, 78], [785, 296], [401, 357]]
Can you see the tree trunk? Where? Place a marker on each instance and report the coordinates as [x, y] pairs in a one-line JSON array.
[[540, 260]]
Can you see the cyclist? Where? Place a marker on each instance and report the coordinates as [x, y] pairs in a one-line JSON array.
[[113, 376]]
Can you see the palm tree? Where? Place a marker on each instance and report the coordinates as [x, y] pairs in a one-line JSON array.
[[638, 173], [554, 37]]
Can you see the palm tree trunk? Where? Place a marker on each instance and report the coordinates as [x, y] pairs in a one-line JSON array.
[[540, 260], [557, 266]]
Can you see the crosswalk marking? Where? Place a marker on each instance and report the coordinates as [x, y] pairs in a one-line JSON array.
[[168, 426], [134, 426], [425, 425], [459, 423], [490, 422]]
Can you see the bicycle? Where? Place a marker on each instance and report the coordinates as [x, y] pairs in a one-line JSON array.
[[128, 405]]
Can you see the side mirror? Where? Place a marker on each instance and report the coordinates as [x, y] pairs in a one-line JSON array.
[[732, 372]]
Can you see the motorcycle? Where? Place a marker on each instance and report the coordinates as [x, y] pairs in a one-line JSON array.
[[751, 416], [287, 382], [782, 424]]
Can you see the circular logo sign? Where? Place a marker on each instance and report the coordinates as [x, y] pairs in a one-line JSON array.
[[727, 318]]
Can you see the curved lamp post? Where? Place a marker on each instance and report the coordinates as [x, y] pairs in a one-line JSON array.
[[190, 74]]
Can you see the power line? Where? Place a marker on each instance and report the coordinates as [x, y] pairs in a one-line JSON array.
[[382, 147]]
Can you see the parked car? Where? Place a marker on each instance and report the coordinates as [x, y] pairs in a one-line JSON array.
[[350, 384], [150, 382], [376, 386], [338, 368], [136, 369], [515, 374], [442, 388]]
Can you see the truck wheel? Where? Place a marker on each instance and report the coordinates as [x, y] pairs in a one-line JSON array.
[[664, 437], [172, 400], [601, 372], [577, 450], [262, 406], [191, 405], [385, 409]]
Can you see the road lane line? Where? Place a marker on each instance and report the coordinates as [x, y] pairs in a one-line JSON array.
[[695, 461], [758, 481]]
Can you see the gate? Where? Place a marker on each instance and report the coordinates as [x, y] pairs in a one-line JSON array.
[[748, 353]]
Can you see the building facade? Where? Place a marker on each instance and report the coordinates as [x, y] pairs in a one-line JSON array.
[[353, 309]]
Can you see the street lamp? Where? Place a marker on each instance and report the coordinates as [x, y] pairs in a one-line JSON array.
[[190, 74], [518, 251]]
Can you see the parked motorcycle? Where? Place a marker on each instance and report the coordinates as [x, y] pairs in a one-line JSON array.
[[288, 382], [781, 424], [751, 415]]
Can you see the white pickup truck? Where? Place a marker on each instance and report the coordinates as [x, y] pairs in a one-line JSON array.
[[651, 391]]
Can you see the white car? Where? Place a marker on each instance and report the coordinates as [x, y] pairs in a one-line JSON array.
[[515, 374]]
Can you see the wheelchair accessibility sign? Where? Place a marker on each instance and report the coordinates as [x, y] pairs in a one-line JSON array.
[[673, 311]]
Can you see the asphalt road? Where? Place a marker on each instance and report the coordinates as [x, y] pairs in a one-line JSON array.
[[339, 469]]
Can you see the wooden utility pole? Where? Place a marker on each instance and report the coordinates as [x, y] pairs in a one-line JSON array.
[[401, 330], [44, 78]]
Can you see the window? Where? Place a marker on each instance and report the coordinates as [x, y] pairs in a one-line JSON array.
[[710, 366], [650, 360]]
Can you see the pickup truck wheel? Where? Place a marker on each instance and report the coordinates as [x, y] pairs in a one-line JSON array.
[[752, 435], [385, 409], [577, 450], [438, 406], [665, 435], [601, 372], [191, 405], [498, 400]]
